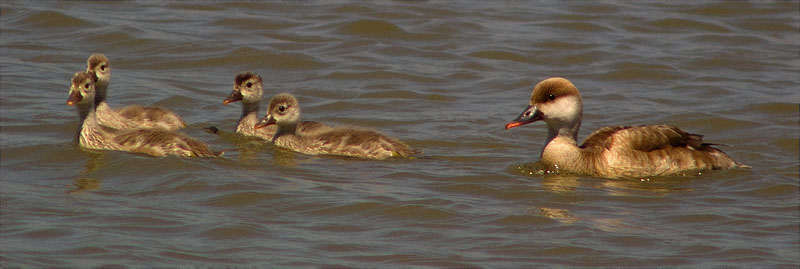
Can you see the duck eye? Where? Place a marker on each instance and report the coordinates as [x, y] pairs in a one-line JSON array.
[[103, 67], [281, 108], [249, 84], [551, 96], [86, 86]]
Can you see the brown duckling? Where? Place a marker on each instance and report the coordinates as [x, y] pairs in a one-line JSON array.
[[129, 117], [284, 111], [617, 151], [154, 142], [248, 89]]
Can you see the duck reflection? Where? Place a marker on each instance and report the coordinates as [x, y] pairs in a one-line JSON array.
[[284, 157], [561, 215]]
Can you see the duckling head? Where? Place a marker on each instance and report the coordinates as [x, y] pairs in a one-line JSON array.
[[82, 88], [101, 67], [247, 87], [283, 110]]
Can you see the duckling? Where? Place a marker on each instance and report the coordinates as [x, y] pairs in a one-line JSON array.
[[154, 142], [129, 117], [616, 151], [284, 111], [248, 88]]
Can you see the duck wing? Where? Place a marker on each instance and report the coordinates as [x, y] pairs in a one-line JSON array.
[[160, 143], [643, 138], [358, 143], [152, 117]]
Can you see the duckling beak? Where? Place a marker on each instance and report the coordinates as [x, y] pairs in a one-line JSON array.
[[266, 121], [233, 97], [74, 97], [530, 114]]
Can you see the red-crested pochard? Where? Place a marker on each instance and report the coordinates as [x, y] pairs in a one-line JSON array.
[[616, 151]]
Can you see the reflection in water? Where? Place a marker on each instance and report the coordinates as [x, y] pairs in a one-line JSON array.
[[247, 147], [248, 150], [566, 183], [561, 184], [615, 225], [531, 169], [570, 185], [560, 215], [284, 157], [654, 186], [83, 182]]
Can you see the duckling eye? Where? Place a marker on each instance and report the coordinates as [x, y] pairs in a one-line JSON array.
[[551, 96], [281, 108], [86, 86], [249, 84], [103, 67]]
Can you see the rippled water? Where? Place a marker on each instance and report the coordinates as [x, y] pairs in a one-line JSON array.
[[442, 76]]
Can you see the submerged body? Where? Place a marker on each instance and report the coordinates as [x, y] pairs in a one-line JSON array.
[[248, 89], [613, 152], [284, 111], [129, 117], [155, 142]]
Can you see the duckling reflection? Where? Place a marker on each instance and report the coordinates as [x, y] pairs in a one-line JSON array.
[[92, 135], [284, 111], [284, 157], [84, 182], [129, 117], [560, 215]]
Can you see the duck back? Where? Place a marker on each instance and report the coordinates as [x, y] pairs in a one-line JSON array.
[[625, 151], [161, 143], [347, 141], [151, 117]]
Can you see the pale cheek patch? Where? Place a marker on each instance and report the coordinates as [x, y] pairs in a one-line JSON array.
[[565, 108]]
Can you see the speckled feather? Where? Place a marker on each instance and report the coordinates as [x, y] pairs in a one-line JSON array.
[[129, 117], [250, 97], [92, 135], [342, 141]]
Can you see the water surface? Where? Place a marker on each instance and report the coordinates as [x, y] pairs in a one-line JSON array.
[[444, 77]]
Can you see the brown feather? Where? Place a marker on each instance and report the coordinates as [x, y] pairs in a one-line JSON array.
[[92, 135], [342, 141], [615, 151]]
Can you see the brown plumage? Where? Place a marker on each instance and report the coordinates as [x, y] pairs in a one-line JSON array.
[[618, 151], [130, 117], [284, 111], [248, 89], [154, 142]]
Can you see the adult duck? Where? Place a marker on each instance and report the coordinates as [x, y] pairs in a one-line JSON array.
[[616, 151]]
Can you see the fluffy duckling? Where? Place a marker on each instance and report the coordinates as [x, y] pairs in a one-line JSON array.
[[92, 135], [617, 151], [248, 89], [284, 111], [129, 117]]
